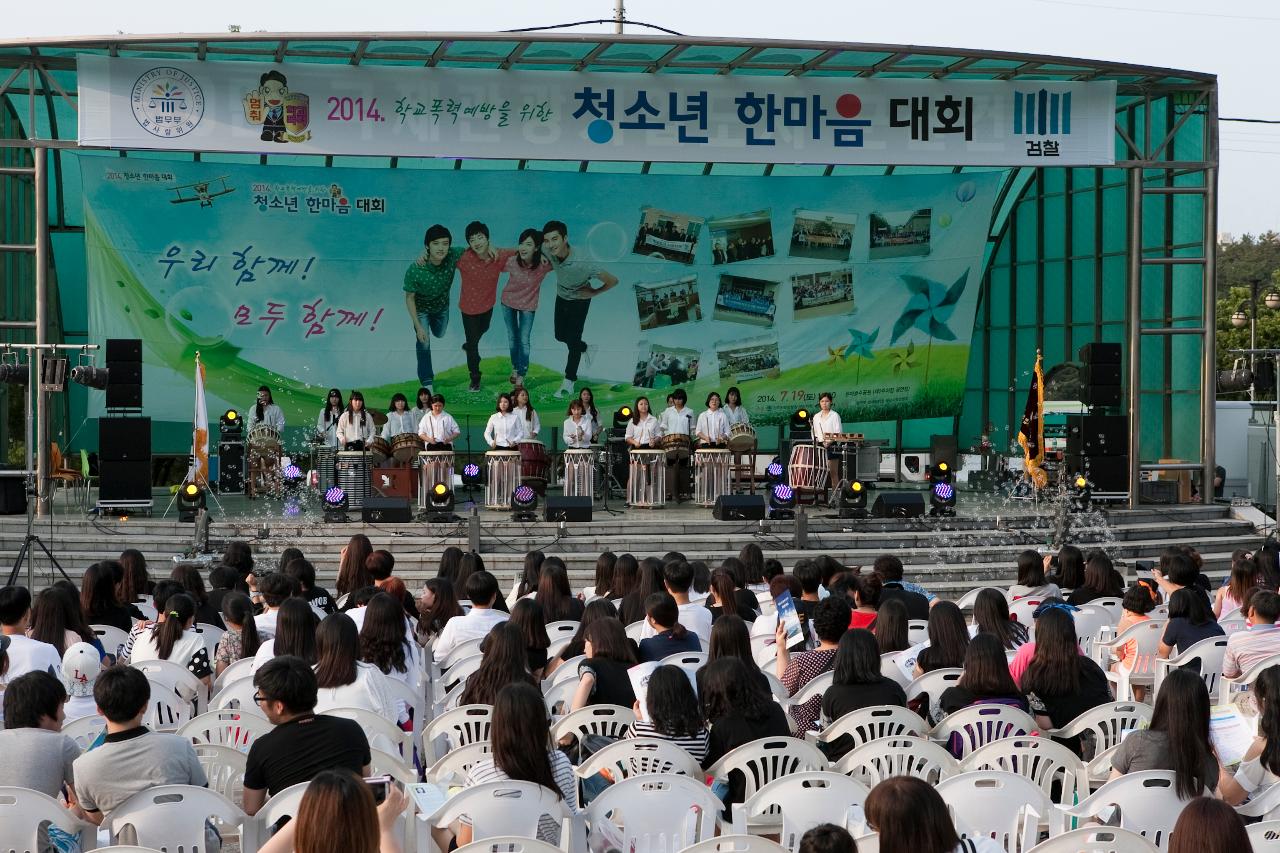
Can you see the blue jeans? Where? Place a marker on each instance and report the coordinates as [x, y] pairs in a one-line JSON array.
[[435, 324], [519, 331]]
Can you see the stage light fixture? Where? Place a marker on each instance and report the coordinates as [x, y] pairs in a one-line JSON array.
[[230, 424], [524, 500], [940, 473], [292, 508], [800, 421], [335, 505], [853, 500], [782, 502], [440, 504], [942, 499], [621, 416], [472, 475], [12, 371], [90, 376], [775, 471], [191, 499], [1081, 494]]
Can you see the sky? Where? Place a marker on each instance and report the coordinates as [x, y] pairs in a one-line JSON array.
[[1234, 39]]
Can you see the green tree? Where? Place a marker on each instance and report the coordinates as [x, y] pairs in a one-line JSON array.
[[1240, 263]]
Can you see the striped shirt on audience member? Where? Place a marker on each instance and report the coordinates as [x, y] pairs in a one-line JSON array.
[[1248, 647], [486, 770], [695, 745]]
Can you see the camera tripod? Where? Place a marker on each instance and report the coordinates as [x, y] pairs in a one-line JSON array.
[[24, 553]]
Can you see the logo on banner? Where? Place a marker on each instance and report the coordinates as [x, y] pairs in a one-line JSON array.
[[284, 116], [167, 102], [1044, 115]]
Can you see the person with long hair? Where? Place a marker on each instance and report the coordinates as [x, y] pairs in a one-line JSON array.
[[642, 430], [505, 661], [1208, 825], [188, 574], [136, 584], [525, 411], [991, 616], [338, 812], [601, 608], [295, 634], [240, 640], [1260, 767], [352, 574], [731, 637], [1244, 577], [1060, 682], [671, 712], [670, 637], [99, 604], [891, 627], [648, 581], [733, 407], [400, 420], [163, 590], [265, 412], [302, 570], [857, 683], [1268, 561], [344, 680], [527, 582], [173, 639], [356, 428], [525, 270], [723, 600], [985, 680], [449, 559], [504, 429], [1101, 580], [384, 640], [469, 564], [237, 555], [865, 590], [625, 577], [948, 639], [747, 601], [752, 558], [1066, 568], [554, 595], [327, 420], [738, 713], [56, 619], [1190, 621], [1031, 580], [602, 586], [1177, 740], [911, 817], [830, 622], [588, 399], [527, 617], [436, 606], [602, 677]]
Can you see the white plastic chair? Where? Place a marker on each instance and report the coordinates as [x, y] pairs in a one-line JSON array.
[[635, 631], [1148, 800], [611, 721], [765, 759], [917, 631], [146, 608], [933, 683], [172, 817], [375, 726], [177, 680], [978, 725], [283, 804], [560, 694], [224, 767], [743, 844], [557, 646], [658, 813], [166, 710], [1208, 654], [1042, 760], [563, 628], [460, 652], [889, 669], [452, 767], [237, 669], [237, 694], [692, 661], [877, 760], [1090, 619], [1096, 839], [382, 762], [416, 701], [1022, 610], [126, 848], [816, 687], [23, 810], [211, 634], [112, 638], [1138, 668], [970, 598], [1265, 836], [1005, 807], [803, 800], [499, 809], [232, 728], [1108, 723], [868, 843], [457, 674], [776, 689], [1244, 681], [1230, 626], [459, 727], [85, 730], [640, 757], [566, 671], [509, 844], [1114, 606], [872, 723]]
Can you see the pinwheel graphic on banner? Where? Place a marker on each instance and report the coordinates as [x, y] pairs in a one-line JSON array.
[[929, 309], [860, 344]]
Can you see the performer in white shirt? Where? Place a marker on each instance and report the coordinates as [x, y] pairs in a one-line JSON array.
[[733, 408], [505, 429], [589, 410], [438, 429], [265, 412], [356, 427], [327, 420], [825, 424], [577, 427], [643, 430], [678, 420], [528, 416], [713, 424], [399, 418]]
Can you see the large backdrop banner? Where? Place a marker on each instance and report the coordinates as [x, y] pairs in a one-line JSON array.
[[305, 278]]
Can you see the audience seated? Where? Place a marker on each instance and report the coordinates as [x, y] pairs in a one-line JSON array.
[[830, 622], [295, 634], [737, 713], [1031, 580], [207, 613], [985, 680], [598, 609], [338, 812], [554, 594], [80, 668], [827, 838], [669, 637], [948, 639], [344, 680], [36, 754], [1190, 621], [677, 578], [505, 661], [1244, 577], [100, 602], [436, 605], [857, 683], [1177, 740], [891, 628], [1206, 825], [1101, 580], [527, 616], [21, 653], [271, 592], [1060, 683], [240, 640], [917, 599], [991, 616], [386, 640], [911, 817], [602, 677], [173, 639], [670, 712], [482, 590], [1260, 767], [1259, 641], [730, 637], [301, 570]]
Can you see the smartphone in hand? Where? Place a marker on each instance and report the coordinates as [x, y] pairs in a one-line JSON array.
[[378, 785]]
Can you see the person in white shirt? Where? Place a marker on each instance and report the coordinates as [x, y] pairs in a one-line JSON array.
[[524, 408], [23, 653], [399, 419], [713, 424], [677, 577], [438, 429], [344, 680], [577, 429], [173, 639], [590, 411], [327, 420], [356, 427], [482, 589], [825, 424], [733, 408], [678, 420], [505, 428], [265, 412], [643, 430], [276, 588]]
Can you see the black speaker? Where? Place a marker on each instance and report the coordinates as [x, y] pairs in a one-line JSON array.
[[230, 467], [380, 510], [1100, 374], [898, 505], [124, 373], [1100, 395], [1264, 376], [124, 480], [738, 508], [124, 349], [942, 448], [1097, 435], [1097, 352], [13, 495], [124, 439], [1105, 473], [123, 396], [567, 508]]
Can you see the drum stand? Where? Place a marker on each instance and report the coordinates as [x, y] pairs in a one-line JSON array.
[[607, 480]]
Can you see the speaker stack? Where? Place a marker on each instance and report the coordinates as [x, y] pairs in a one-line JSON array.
[[124, 436], [231, 456], [1098, 442]]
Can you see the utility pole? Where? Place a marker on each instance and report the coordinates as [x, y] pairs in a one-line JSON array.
[[619, 15]]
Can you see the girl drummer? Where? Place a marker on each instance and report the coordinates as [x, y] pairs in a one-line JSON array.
[[524, 408], [733, 408], [265, 412], [327, 420], [399, 419], [437, 428], [713, 425], [827, 423], [356, 428], [505, 429], [589, 411], [577, 427], [643, 430], [424, 401]]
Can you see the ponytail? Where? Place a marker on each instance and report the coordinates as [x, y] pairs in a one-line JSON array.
[[238, 609], [661, 607], [723, 586], [178, 609]]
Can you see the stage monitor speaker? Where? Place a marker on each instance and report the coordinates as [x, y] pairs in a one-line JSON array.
[[1097, 352], [942, 448], [13, 495], [393, 482], [230, 467], [739, 508], [124, 480], [567, 508], [1097, 435], [1100, 374], [124, 439], [124, 349], [898, 505], [1105, 473], [380, 510]]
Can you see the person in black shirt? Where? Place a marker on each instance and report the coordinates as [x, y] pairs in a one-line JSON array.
[[738, 714], [302, 743], [188, 574], [98, 600], [857, 683], [1060, 683], [663, 615], [304, 573], [986, 678], [602, 677], [527, 616]]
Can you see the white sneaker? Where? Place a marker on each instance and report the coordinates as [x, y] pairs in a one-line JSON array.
[[519, 381], [589, 355], [566, 388]]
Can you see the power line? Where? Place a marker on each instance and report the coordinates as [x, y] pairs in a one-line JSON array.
[[596, 21], [1253, 120]]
